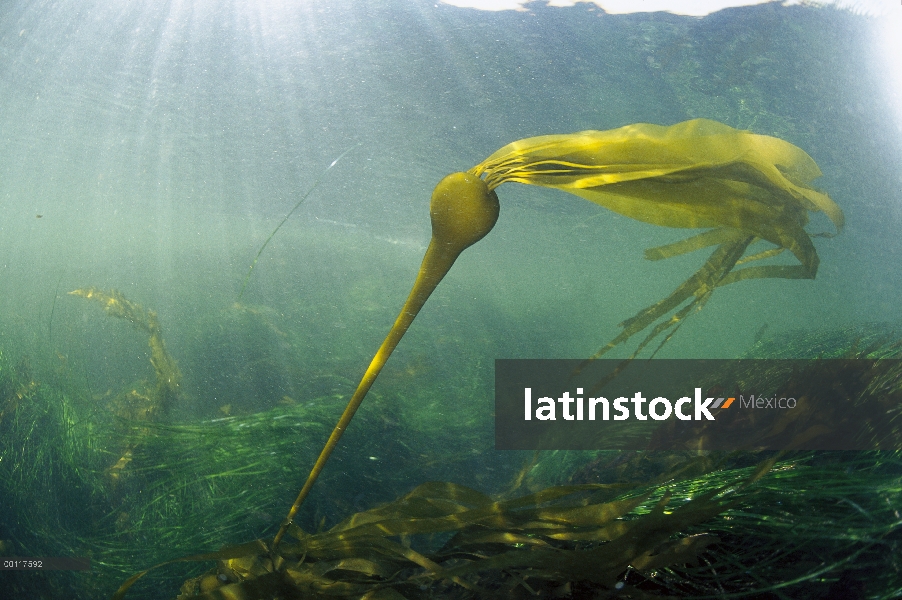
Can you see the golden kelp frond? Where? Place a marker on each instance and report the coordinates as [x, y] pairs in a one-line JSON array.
[[700, 149], [697, 174], [694, 174], [698, 288]]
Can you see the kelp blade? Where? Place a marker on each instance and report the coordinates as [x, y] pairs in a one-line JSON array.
[[553, 538], [679, 153], [742, 187], [694, 174]]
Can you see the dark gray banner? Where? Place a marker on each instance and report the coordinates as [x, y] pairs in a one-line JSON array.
[[830, 404]]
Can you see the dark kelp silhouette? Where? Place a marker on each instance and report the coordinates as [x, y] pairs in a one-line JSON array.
[[545, 543], [143, 403]]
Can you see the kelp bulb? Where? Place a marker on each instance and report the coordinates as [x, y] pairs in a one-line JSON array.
[[463, 211]]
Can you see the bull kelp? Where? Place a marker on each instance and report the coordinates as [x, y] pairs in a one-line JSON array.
[[741, 186]]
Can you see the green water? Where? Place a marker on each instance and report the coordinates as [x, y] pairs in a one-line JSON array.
[[152, 147]]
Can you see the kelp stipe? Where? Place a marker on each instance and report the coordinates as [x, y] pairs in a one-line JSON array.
[[740, 186], [463, 211]]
